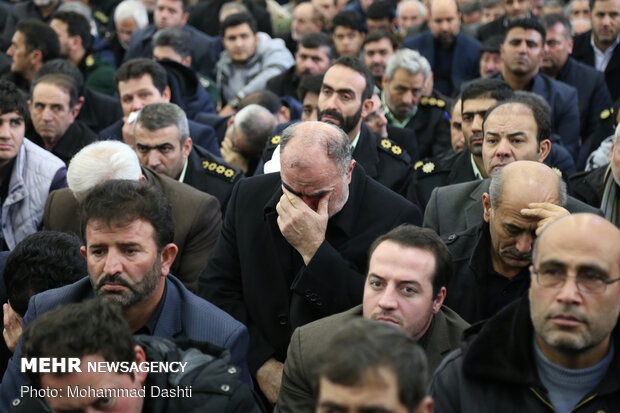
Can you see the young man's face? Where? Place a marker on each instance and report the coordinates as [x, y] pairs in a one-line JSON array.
[[138, 92], [12, 129], [240, 42], [348, 42], [20, 57], [170, 13]]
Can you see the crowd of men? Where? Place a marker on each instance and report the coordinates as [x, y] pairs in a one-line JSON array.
[[319, 205]]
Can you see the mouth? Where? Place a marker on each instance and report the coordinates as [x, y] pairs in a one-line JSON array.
[[566, 320], [113, 287], [389, 320]]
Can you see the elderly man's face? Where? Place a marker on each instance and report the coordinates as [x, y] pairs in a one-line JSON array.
[[409, 15], [567, 320], [124, 30], [51, 112], [124, 263], [510, 135], [161, 149], [399, 288], [303, 21], [403, 92]]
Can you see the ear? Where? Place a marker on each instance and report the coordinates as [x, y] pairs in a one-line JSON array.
[[438, 301], [544, 149], [501, 50], [83, 251], [486, 205], [426, 405], [285, 113], [571, 43], [167, 94], [350, 171], [75, 110], [611, 150], [187, 61], [384, 82], [367, 106], [29, 106], [36, 57], [187, 147], [168, 254], [76, 42], [139, 376], [185, 17]]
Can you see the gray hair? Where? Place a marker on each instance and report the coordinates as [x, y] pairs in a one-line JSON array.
[[256, 123], [420, 6], [337, 146], [617, 135], [157, 116], [410, 60], [234, 7], [569, 7], [131, 8], [99, 162], [496, 188], [179, 40]]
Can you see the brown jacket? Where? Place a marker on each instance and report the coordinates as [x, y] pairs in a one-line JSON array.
[[197, 222]]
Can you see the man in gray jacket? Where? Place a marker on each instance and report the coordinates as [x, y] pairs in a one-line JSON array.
[[250, 59]]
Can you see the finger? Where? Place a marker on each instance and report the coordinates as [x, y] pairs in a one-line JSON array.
[[293, 199], [323, 209]]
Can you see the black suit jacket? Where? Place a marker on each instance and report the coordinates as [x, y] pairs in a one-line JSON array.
[[582, 51], [588, 186], [285, 84], [258, 277], [75, 138]]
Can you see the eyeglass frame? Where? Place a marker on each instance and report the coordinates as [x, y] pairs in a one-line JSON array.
[[605, 283]]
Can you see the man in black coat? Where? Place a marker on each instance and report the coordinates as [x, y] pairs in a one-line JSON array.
[[294, 245], [606, 37]]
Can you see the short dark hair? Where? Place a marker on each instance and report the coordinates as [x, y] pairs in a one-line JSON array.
[[136, 68], [39, 36], [350, 20], [486, 88], [407, 235], [64, 67], [40, 262], [77, 25], [91, 327], [179, 40], [238, 19], [490, 4], [311, 83], [160, 115], [316, 40], [540, 110], [265, 98], [65, 82], [364, 346], [592, 2], [357, 65], [550, 20], [380, 10], [120, 201], [12, 99], [376, 35], [527, 23]]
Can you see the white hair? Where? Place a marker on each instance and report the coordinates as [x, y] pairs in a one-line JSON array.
[[420, 6], [617, 135], [131, 8], [99, 162], [410, 60]]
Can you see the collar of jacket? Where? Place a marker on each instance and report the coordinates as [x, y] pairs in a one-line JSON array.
[[479, 261], [347, 217]]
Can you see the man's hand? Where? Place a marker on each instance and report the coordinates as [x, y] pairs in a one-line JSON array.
[[12, 326], [233, 157], [546, 212], [303, 228], [126, 130], [226, 111], [269, 378]]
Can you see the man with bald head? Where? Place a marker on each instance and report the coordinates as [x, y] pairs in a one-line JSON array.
[[490, 260], [294, 245], [556, 347], [453, 56]]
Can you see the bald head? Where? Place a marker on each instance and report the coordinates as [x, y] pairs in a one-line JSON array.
[[523, 182], [444, 21]]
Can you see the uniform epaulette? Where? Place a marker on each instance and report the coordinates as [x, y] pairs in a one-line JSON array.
[[390, 147], [431, 101], [219, 170], [206, 83], [274, 140], [426, 167], [101, 16], [90, 60], [607, 113]]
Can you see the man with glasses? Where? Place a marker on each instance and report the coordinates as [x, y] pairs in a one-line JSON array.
[[557, 348]]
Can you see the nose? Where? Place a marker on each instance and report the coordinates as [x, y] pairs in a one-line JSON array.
[[569, 293], [503, 149], [5, 129], [524, 243], [47, 113], [388, 298], [113, 262], [408, 97], [154, 159], [476, 125], [9, 51]]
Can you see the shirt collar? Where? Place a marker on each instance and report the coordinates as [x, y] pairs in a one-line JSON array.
[[477, 173], [357, 138], [182, 176], [393, 120]]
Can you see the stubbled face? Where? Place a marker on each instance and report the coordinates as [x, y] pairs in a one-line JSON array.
[[444, 22], [403, 92], [456, 128], [605, 22], [327, 8], [51, 112], [490, 63], [473, 113], [567, 320], [558, 46], [376, 392], [310, 107], [62, 30], [20, 57], [491, 13], [170, 13], [376, 55], [161, 150], [348, 42], [399, 289], [522, 51], [12, 129], [311, 61], [123, 261], [240, 42], [92, 380], [516, 9], [124, 30]]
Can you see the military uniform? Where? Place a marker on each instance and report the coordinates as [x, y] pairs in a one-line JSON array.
[[98, 74], [208, 173], [431, 173], [381, 158]]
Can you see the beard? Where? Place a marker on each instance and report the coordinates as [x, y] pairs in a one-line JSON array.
[[346, 123]]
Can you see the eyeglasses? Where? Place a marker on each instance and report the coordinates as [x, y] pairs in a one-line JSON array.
[[587, 281]]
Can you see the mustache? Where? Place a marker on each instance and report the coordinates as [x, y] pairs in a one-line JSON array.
[[519, 255], [386, 314], [333, 114], [113, 279], [569, 310]]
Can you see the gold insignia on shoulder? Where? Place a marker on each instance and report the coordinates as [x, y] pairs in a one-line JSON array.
[[212, 166], [90, 60], [417, 165], [432, 101], [428, 167], [204, 82], [396, 150], [441, 103], [220, 169], [99, 15], [605, 114], [228, 173], [424, 100], [205, 164], [275, 140], [386, 143], [557, 171]]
